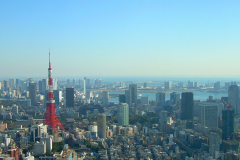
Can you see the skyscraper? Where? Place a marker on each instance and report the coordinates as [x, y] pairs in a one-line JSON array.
[[133, 94], [228, 116], [233, 98], [167, 85], [57, 97], [187, 106], [70, 97], [84, 85], [101, 125], [122, 98], [160, 97], [68, 81], [174, 97], [5, 83], [227, 85], [190, 84], [44, 86], [105, 98], [209, 115], [55, 84], [196, 85], [122, 84], [145, 100], [127, 97], [217, 86], [163, 120], [33, 93], [145, 84], [74, 81], [40, 86], [123, 114], [17, 83], [214, 144], [12, 83]]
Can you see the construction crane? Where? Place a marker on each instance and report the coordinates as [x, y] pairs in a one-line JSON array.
[[228, 105]]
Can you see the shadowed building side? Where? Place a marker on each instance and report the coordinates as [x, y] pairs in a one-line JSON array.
[[187, 106]]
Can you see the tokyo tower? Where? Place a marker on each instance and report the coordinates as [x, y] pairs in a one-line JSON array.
[[50, 114]]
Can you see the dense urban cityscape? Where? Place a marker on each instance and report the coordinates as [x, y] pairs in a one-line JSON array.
[[74, 119], [119, 80]]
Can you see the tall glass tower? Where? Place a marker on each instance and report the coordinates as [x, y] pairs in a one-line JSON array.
[[123, 114]]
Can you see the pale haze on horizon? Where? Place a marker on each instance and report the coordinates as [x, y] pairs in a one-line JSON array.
[[120, 38]]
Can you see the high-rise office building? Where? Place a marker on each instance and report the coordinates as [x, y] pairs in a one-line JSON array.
[[55, 84], [74, 82], [196, 84], [5, 83], [167, 85], [190, 84], [133, 94], [228, 117], [101, 125], [174, 97], [187, 106], [33, 93], [163, 120], [127, 97], [57, 97], [40, 86], [17, 83], [98, 83], [180, 84], [122, 98], [88, 83], [233, 98], [217, 86], [145, 84], [80, 82], [70, 97], [209, 115], [227, 85], [145, 100], [12, 83], [122, 84], [29, 80], [68, 81], [123, 114], [44, 86], [214, 144], [89, 94], [105, 98], [84, 85], [160, 97]]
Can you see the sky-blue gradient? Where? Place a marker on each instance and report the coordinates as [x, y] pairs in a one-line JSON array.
[[119, 38]]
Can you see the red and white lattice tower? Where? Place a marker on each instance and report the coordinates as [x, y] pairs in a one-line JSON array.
[[50, 114]]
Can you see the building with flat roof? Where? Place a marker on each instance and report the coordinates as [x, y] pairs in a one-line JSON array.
[[123, 114], [101, 125], [187, 106], [70, 97]]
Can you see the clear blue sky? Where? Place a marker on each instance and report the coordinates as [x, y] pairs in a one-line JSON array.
[[120, 37]]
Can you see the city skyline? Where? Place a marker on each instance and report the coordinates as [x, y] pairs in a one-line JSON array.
[[120, 38]]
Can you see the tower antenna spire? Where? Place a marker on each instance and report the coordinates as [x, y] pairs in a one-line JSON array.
[[50, 117], [49, 59]]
